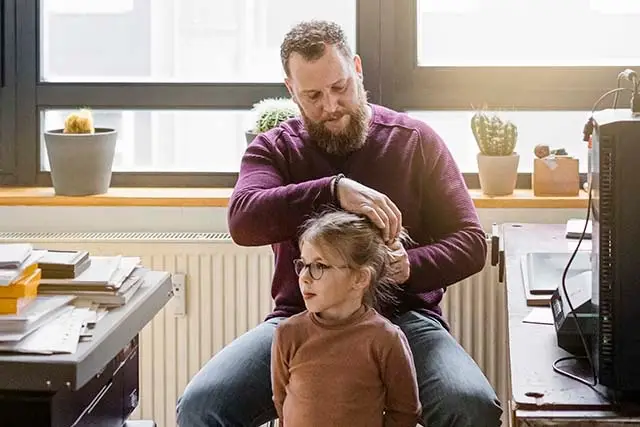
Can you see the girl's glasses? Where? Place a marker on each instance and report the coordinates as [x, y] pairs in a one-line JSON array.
[[316, 269]]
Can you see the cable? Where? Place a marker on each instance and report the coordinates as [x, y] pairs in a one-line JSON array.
[[616, 91], [629, 75], [587, 131], [594, 381]]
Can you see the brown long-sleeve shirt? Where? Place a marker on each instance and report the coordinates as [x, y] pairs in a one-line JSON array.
[[357, 372]]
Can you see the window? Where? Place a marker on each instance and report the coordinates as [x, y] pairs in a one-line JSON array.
[[176, 78], [526, 33], [542, 63]]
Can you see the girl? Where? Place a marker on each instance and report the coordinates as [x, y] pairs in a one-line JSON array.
[[340, 363]]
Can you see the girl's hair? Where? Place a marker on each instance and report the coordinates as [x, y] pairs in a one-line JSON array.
[[360, 244]]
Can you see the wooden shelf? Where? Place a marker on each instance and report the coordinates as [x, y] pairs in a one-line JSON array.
[[219, 197]]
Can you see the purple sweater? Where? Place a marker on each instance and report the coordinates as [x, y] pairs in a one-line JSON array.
[[284, 177]]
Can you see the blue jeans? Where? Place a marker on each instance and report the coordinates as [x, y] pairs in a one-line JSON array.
[[234, 387]]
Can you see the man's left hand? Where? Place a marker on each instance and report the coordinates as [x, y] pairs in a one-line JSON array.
[[399, 263]]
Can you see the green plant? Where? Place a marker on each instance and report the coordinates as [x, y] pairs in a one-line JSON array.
[[494, 136], [271, 112]]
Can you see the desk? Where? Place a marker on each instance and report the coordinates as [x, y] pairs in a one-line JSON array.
[[98, 384], [540, 396]]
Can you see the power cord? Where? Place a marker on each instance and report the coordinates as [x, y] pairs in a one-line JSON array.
[[631, 76], [556, 368]]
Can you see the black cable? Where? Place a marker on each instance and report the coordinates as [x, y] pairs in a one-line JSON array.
[[587, 131], [594, 381]]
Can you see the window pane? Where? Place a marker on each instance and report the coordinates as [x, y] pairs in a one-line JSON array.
[[528, 32], [174, 40], [169, 141], [557, 129]]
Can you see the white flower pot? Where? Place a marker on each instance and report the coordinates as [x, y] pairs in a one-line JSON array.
[[498, 174]]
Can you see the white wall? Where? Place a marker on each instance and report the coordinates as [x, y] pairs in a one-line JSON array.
[[30, 218]]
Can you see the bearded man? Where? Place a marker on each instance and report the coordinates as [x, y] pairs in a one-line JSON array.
[[353, 155]]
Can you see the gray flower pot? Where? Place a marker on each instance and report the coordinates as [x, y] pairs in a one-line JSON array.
[[81, 164], [498, 174]]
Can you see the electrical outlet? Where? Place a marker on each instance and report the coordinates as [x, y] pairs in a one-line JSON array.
[[179, 300]]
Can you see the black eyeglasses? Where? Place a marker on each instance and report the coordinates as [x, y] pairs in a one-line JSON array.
[[316, 269]]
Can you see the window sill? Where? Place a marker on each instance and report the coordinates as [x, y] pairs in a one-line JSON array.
[[219, 197]]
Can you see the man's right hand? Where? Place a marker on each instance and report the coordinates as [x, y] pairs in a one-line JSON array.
[[360, 199]]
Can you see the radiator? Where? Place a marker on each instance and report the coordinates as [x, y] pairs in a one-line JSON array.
[[228, 292]]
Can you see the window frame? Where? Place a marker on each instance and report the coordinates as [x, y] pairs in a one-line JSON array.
[[408, 86], [386, 40], [33, 96], [8, 164]]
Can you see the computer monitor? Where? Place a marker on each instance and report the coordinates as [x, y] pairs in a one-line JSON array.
[[615, 211]]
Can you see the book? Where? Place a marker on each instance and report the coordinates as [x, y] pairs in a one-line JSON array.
[[13, 255], [104, 273], [574, 229], [9, 275], [63, 264]]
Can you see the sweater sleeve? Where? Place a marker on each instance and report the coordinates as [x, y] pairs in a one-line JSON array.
[[458, 245], [402, 405], [279, 374], [264, 207]]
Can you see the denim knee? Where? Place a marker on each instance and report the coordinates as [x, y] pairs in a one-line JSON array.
[[196, 408], [466, 408]]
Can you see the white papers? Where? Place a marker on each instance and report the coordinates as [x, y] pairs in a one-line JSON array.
[[58, 336], [540, 315]]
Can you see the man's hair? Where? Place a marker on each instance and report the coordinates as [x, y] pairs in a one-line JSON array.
[[310, 39], [360, 244]]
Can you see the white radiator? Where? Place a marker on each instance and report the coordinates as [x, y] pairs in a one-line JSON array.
[[228, 292]]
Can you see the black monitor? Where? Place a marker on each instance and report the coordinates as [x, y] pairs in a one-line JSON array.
[[615, 211]]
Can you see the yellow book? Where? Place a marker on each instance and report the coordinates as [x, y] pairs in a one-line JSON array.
[[14, 305], [24, 286]]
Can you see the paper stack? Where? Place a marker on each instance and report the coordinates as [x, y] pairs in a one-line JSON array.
[[19, 277], [109, 281]]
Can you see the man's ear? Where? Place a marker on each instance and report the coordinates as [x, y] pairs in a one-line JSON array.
[[287, 83], [357, 64]]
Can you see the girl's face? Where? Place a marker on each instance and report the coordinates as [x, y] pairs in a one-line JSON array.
[[329, 287]]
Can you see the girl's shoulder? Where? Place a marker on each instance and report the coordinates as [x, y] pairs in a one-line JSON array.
[[383, 326]]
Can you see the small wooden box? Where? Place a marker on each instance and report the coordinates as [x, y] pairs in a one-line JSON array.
[[556, 176]]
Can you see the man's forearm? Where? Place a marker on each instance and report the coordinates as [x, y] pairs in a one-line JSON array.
[[263, 216], [448, 260]]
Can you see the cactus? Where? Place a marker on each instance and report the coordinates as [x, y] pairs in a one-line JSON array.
[[79, 122], [494, 136], [273, 111]]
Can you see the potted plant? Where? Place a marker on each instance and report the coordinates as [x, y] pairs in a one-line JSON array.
[[270, 112], [80, 156], [497, 161]]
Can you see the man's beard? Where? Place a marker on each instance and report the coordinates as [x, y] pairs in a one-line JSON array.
[[348, 140]]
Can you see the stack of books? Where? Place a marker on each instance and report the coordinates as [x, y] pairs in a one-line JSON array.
[[63, 264], [108, 281], [51, 300], [19, 277]]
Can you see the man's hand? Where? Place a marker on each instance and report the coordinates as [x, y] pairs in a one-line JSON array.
[[360, 199], [399, 262]]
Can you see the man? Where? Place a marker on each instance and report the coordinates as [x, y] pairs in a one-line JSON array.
[[366, 159]]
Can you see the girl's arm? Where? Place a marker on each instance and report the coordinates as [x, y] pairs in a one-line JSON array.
[[279, 374], [402, 405]]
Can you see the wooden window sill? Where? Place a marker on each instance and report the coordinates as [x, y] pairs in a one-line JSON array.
[[219, 197]]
